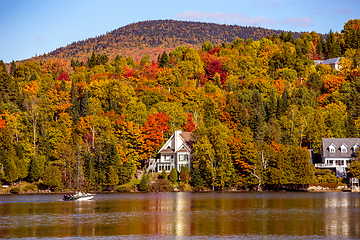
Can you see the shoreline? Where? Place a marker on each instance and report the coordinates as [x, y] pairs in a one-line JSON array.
[[110, 192]]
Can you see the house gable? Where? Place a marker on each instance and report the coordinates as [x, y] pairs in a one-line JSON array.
[[332, 148], [356, 145], [344, 148]]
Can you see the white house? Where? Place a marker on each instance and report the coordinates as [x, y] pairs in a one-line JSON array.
[[175, 153], [336, 154], [332, 62]]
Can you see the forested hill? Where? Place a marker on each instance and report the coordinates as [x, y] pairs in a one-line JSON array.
[[154, 37]]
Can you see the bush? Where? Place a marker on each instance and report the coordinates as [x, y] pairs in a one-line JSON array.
[[143, 185], [163, 174], [161, 185], [15, 190], [127, 187], [31, 187], [184, 186], [173, 175]]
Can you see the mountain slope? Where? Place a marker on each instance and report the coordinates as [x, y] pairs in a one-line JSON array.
[[153, 37]]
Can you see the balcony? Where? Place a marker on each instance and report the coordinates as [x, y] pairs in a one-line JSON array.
[[328, 165]]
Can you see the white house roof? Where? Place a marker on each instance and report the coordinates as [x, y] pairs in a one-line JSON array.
[[176, 143]]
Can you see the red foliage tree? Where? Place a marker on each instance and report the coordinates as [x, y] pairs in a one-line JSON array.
[[215, 67], [153, 133], [189, 126], [64, 76]]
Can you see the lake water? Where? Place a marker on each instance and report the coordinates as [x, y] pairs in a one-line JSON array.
[[230, 215]]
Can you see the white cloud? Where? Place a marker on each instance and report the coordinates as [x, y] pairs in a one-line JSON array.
[[298, 22], [240, 19], [231, 18], [342, 10]]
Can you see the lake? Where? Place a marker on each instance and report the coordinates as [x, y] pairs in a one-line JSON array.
[[216, 215]]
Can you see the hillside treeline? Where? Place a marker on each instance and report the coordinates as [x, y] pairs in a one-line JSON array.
[[254, 107], [151, 37]]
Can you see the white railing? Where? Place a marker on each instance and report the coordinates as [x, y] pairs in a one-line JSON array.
[[327, 165]]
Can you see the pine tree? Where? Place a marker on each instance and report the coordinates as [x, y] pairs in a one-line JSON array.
[[2, 67], [89, 170], [217, 80], [75, 108], [173, 177], [92, 61], [271, 106], [84, 104], [34, 172], [12, 68], [197, 180], [164, 60], [163, 174], [113, 178], [143, 185]]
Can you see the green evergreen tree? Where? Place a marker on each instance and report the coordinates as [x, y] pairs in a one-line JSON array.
[[332, 46], [51, 176], [173, 177], [84, 104], [164, 60], [92, 61], [163, 174], [144, 182], [271, 106], [89, 170], [12, 68], [35, 171], [2, 67], [351, 129], [124, 173], [75, 107], [290, 37], [113, 178], [217, 80], [320, 47], [63, 85], [197, 180], [315, 82]]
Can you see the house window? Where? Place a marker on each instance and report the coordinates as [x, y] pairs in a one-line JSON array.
[[183, 157], [167, 158], [343, 150], [332, 150]]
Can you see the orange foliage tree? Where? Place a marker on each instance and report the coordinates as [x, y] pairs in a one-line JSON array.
[[153, 133]]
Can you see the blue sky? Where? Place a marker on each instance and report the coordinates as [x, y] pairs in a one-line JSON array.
[[40, 26]]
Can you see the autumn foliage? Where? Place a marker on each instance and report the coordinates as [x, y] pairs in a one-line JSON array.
[[251, 105]]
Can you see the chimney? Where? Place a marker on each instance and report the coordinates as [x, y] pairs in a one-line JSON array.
[[177, 135]]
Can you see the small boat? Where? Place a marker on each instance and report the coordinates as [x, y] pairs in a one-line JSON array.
[[78, 196]]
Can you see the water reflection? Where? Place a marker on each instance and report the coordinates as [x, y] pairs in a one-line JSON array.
[[191, 215]]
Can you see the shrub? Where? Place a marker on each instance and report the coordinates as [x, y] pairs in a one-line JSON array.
[[31, 187], [15, 190], [127, 187], [184, 186], [163, 174], [173, 175], [144, 182], [161, 185]]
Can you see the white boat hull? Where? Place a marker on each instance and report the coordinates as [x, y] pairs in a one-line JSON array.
[[79, 197]]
